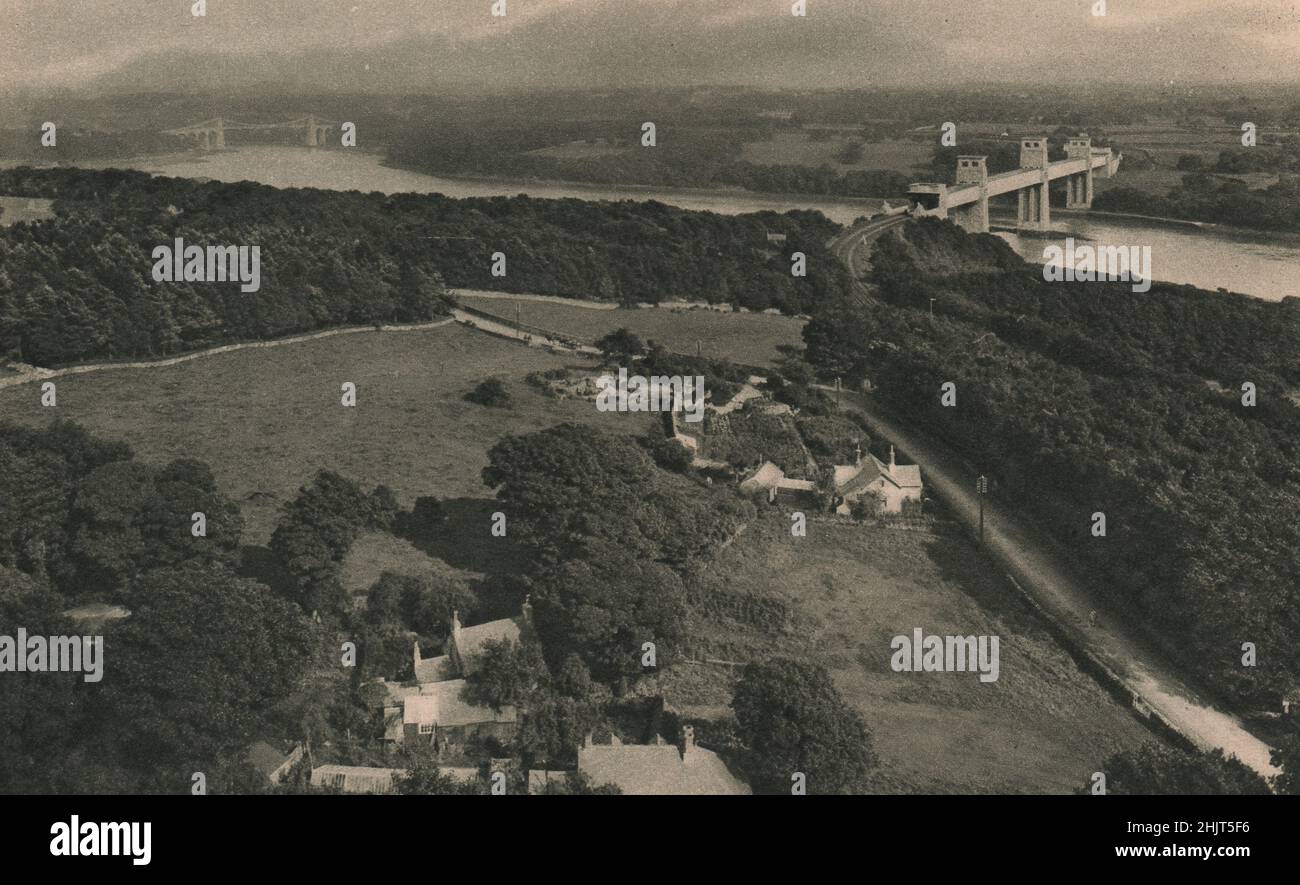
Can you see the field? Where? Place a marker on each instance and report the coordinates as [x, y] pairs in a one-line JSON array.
[[1043, 726], [16, 209], [748, 338], [268, 419]]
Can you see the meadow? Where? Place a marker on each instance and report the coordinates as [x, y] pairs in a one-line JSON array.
[[267, 419], [749, 338], [1043, 726]]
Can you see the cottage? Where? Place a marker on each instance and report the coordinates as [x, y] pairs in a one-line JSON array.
[[770, 480], [438, 714], [894, 483], [366, 780], [465, 646], [659, 769], [432, 709]]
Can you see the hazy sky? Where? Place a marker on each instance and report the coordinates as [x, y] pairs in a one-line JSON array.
[[430, 45]]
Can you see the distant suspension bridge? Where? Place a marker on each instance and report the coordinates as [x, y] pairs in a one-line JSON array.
[[210, 135]]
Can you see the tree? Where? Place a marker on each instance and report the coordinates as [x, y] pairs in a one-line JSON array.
[[1155, 769], [792, 719], [667, 453], [422, 777], [127, 518], [605, 605], [315, 532], [509, 674], [198, 668], [426, 516], [1286, 756], [490, 392], [562, 482], [621, 346], [578, 783]]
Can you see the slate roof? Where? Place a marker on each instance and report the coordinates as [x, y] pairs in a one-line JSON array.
[[470, 640], [434, 669], [659, 770], [765, 477], [355, 778], [440, 704], [363, 779]]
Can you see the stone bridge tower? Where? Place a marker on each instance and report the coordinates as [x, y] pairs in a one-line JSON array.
[[1034, 210], [973, 217], [1078, 187]]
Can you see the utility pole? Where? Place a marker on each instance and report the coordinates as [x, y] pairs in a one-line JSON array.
[[982, 489], [516, 314], [838, 390], [931, 308]]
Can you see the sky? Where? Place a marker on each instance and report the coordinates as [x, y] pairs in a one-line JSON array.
[[449, 45]]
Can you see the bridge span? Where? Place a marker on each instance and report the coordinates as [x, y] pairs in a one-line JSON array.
[[967, 200], [210, 135]]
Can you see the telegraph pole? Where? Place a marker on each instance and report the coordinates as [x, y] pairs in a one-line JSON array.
[[982, 489]]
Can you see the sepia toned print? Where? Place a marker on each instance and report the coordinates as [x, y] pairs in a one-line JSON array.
[[648, 397]]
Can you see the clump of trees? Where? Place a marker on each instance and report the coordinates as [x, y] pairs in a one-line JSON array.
[[1156, 769], [793, 721], [608, 533], [203, 664], [317, 529]]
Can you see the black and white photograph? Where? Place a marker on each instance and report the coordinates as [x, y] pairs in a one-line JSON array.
[[892, 400]]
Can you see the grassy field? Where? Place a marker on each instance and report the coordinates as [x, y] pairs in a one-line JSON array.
[[741, 337], [1043, 726], [267, 420]]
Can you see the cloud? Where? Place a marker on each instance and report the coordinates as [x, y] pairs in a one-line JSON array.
[[841, 43]]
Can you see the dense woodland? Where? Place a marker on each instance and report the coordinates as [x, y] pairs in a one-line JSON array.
[[80, 287], [1084, 397], [683, 156], [1214, 199]]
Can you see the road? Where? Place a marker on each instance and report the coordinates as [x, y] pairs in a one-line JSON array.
[[27, 374], [1029, 560]]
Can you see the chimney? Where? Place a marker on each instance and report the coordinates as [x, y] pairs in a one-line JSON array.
[[415, 663], [453, 643], [891, 461], [688, 742], [857, 449]]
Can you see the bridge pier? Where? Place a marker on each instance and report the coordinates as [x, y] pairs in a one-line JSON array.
[[1078, 188], [973, 217], [1034, 208]]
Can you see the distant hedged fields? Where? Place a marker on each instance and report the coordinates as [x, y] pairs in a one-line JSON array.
[[80, 287], [1079, 398]]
